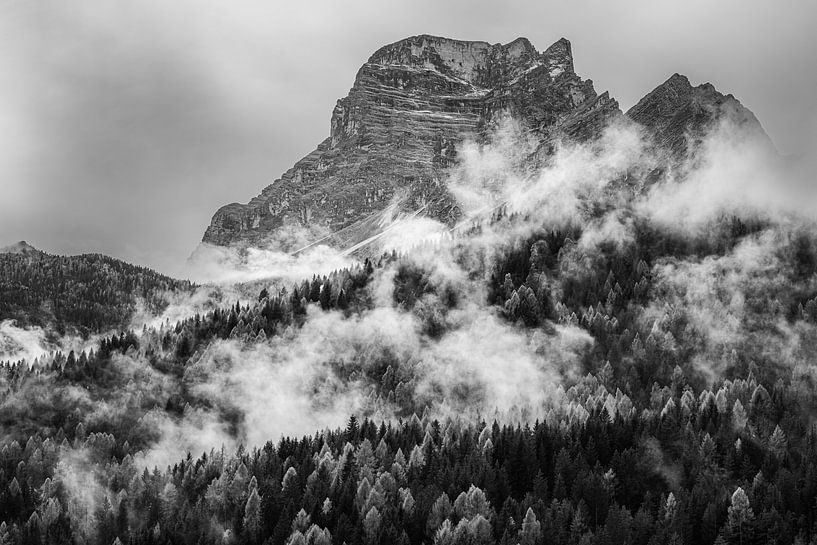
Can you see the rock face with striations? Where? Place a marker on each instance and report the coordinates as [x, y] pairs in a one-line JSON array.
[[394, 136], [397, 131]]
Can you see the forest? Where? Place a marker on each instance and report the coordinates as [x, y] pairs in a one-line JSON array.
[[606, 362], [82, 294], [639, 448]]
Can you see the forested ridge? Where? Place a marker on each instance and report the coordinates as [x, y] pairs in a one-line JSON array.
[[661, 435], [88, 293]]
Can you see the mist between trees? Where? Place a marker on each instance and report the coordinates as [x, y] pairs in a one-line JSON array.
[[590, 356]]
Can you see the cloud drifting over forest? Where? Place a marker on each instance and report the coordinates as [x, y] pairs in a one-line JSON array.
[[453, 350], [481, 363]]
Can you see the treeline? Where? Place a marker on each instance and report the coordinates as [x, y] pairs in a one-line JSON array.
[[83, 294]]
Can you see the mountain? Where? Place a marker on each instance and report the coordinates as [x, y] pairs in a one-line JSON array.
[[394, 136], [677, 115], [590, 369], [397, 131]]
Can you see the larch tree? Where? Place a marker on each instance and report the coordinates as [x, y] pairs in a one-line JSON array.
[[740, 513]]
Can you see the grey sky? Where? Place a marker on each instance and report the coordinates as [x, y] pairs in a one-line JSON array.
[[124, 125]]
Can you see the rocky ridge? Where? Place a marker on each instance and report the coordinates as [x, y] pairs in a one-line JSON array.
[[394, 136], [677, 115]]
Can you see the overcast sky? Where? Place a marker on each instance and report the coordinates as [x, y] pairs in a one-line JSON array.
[[125, 124]]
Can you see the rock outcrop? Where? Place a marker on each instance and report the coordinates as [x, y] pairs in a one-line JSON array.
[[393, 137]]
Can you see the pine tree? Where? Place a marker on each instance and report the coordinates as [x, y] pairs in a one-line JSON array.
[[371, 526], [252, 513], [739, 416], [778, 443], [352, 428], [315, 290], [438, 514], [531, 531], [740, 513], [326, 296], [343, 302]]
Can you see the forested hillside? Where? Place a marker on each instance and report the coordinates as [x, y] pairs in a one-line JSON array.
[[83, 294], [639, 448], [596, 356]]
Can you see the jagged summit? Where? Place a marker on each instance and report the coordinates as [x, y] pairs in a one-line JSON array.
[[393, 138], [476, 62], [561, 52], [678, 114], [396, 133]]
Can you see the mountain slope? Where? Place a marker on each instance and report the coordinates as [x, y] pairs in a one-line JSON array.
[[83, 293]]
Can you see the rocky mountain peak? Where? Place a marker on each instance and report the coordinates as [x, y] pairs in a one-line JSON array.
[[478, 63], [679, 82], [677, 114], [560, 54], [393, 137]]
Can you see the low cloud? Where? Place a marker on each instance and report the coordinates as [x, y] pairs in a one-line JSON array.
[[452, 351], [229, 265], [32, 342], [736, 173]]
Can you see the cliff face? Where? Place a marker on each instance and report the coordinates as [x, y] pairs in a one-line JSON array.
[[394, 136], [396, 133]]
